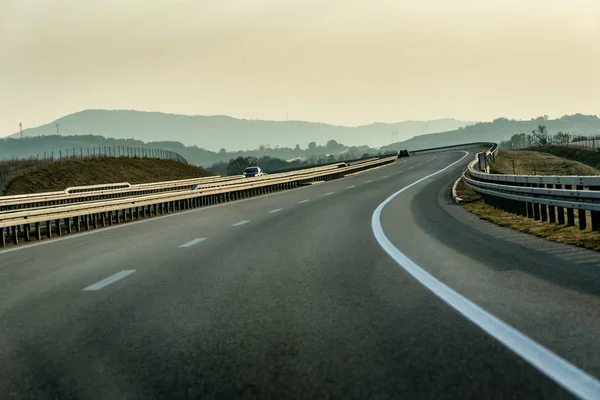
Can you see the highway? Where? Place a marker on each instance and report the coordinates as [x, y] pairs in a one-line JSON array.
[[293, 295]]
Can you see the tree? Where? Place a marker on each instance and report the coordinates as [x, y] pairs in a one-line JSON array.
[[297, 148], [261, 147], [562, 137], [540, 135], [222, 152], [237, 165], [312, 146]]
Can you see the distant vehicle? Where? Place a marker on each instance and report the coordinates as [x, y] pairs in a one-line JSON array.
[[342, 165], [252, 172], [403, 153]]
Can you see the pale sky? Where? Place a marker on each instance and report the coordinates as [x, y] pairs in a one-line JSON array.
[[346, 62]]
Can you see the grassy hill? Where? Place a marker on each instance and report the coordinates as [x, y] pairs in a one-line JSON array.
[[79, 172]]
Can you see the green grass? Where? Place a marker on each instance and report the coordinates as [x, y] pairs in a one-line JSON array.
[[80, 172], [527, 162]]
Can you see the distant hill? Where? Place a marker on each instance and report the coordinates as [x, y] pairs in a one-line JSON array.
[[502, 129], [216, 132]]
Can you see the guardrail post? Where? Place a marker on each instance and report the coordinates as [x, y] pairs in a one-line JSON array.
[[2, 238], [26, 229], [95, 220], [595, 214], [582, 219], [551, 209], [110, 217], [15, 236], [536, 212], [58, 227], [570, 217], [38, 231], [67, 222], [560, 210], [49, 229], [544, 212], [87, 222], [76, 222]]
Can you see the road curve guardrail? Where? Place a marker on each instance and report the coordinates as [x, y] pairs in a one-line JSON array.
[[553, 199]]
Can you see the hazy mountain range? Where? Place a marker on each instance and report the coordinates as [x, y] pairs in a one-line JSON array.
[[216, 132], [502, 129]]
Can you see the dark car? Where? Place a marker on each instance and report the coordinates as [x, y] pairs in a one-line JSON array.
[[403, 153]]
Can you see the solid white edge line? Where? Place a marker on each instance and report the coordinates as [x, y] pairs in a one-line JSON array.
[[330, 193], [350, 187], [558, 369], [275, 210], [111, 279], [192, 242], [303, 201]]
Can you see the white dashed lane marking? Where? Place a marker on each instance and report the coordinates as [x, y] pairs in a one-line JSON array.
[[111, 279], [241, 223], [192, 242]]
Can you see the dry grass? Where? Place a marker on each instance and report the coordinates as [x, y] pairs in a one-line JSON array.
[[534, 162], [80, 172], [546, 164]]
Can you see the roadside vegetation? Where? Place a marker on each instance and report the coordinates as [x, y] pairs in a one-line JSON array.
[[530, 162], [80, 172]]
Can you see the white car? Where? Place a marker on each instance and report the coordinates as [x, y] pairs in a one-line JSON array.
[[253, 171]]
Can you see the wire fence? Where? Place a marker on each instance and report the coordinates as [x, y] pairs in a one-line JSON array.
[[11, 168], [523, 141]]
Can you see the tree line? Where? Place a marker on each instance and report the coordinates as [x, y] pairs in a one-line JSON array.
[[541, 137]]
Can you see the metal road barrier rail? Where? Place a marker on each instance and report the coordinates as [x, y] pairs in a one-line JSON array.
[[94, 193], [542, 198], [19, 224]]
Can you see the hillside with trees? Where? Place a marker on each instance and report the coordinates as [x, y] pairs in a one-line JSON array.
[[215, 132], [503, 129], [55, 146]]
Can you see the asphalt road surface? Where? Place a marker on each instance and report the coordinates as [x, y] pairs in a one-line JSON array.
[[292, 295]]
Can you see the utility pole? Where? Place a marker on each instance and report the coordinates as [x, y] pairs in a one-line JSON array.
[[21, 129]]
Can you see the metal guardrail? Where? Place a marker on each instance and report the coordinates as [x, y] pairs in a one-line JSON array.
[[124, 189], [542, 198], [19, 224]]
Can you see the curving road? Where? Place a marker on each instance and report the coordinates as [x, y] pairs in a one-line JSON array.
[[292, 295]]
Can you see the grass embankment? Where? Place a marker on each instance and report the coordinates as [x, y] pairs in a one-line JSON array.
[[545, 164], [584, 155], [80, 172]]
